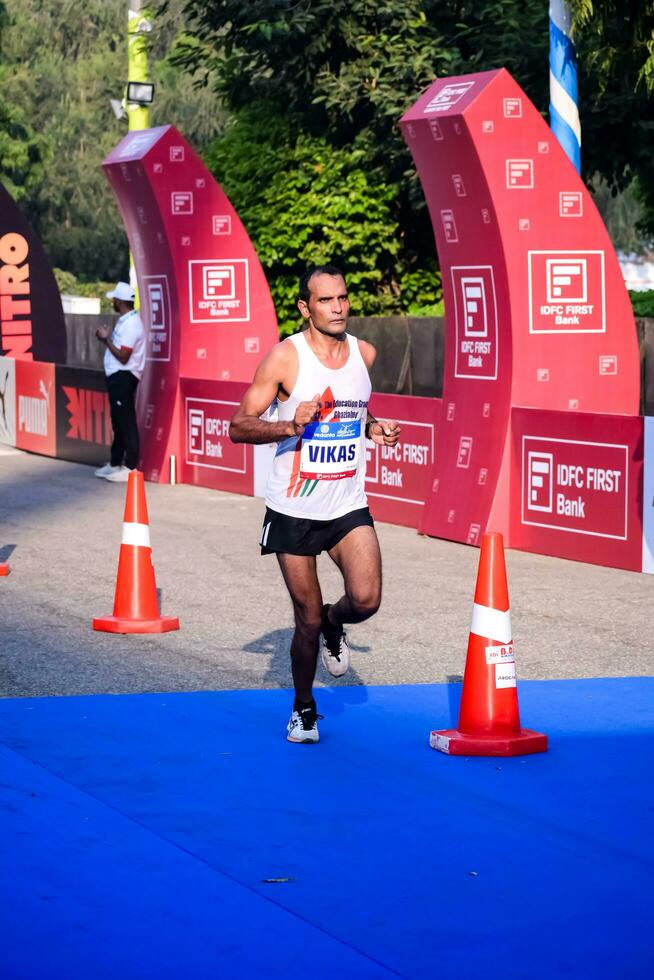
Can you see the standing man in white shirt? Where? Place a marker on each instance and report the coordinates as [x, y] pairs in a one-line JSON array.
[[124, 361]]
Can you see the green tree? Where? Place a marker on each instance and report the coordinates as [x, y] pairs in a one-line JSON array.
[[21, 151], [343, 72], [620, 36], [303, 201], [62, 62], [347, 69], [615, 51]]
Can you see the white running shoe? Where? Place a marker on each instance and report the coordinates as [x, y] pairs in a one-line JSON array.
[[121, 475], [303, 725], [106, 470], [334, 651]]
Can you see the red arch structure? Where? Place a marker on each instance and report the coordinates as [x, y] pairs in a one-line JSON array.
[[537, 312], [204, 297]]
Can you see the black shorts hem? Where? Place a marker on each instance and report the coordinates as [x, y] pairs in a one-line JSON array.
[[288, 535]]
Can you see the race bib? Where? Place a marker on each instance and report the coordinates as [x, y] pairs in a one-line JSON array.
[[330, 450]]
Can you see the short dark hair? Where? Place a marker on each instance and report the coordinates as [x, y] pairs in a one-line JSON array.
[[304, 292]]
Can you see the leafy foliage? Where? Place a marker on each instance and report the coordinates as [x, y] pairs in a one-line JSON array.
[[20, 149], [622, 213], [615, 51], [643, 303], [621, 35], [62, 62], [346, 70], [302, 201]]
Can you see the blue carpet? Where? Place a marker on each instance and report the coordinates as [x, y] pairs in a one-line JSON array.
[[138, 832]]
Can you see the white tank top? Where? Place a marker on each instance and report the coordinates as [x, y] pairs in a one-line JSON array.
[[321, 475]]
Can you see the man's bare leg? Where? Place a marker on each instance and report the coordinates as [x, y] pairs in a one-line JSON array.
[[301, 580], [359, 559]]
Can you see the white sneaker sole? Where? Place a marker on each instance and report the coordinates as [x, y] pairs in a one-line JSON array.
[[309, 740]]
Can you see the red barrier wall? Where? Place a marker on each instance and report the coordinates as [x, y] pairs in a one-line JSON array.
[[398, 476], [204, 297], [84, 432], [577, 486], [536, 309], [209, 458]]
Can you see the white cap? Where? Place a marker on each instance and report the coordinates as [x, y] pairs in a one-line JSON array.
[[122, 290]]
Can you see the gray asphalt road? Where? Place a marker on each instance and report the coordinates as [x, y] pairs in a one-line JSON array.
[[62, 528]]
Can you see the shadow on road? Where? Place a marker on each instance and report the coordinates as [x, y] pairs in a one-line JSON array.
[[276, 645]]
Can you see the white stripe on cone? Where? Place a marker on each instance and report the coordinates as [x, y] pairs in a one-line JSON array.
[[138, 535], [492, 624]]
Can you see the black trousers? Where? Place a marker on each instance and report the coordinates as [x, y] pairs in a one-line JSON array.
[[122, 387]]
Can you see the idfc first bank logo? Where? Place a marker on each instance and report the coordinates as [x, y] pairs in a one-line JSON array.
[[156, 300], [448, 97], [207, 436], [475, 306], [566, 292], [575, 486], [219, 291]]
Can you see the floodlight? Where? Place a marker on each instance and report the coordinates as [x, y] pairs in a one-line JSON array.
[[140, 92]]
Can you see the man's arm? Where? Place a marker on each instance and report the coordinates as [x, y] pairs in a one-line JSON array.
[[246, 426], [121, 354]]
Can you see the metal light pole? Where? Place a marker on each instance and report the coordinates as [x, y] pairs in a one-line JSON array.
[[139, 25], [564, 113]]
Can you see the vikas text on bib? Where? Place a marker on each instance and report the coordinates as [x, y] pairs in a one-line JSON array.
[[330, 450]]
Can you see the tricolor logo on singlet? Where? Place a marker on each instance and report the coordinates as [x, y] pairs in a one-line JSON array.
[[323, 453]]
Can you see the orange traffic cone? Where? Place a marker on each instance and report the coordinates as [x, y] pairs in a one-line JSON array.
[[4, 568], [136, 609], [489, 720]]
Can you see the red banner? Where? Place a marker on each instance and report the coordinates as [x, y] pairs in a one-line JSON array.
[[210, 458], [577, 486], [84, 432], [36, 427], [397, 476]]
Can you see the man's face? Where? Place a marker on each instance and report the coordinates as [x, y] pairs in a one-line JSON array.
[[328, 306]]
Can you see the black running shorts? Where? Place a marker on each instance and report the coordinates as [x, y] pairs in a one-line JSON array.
[[301, 536]]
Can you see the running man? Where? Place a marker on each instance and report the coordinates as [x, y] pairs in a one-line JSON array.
[[315, 498]]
